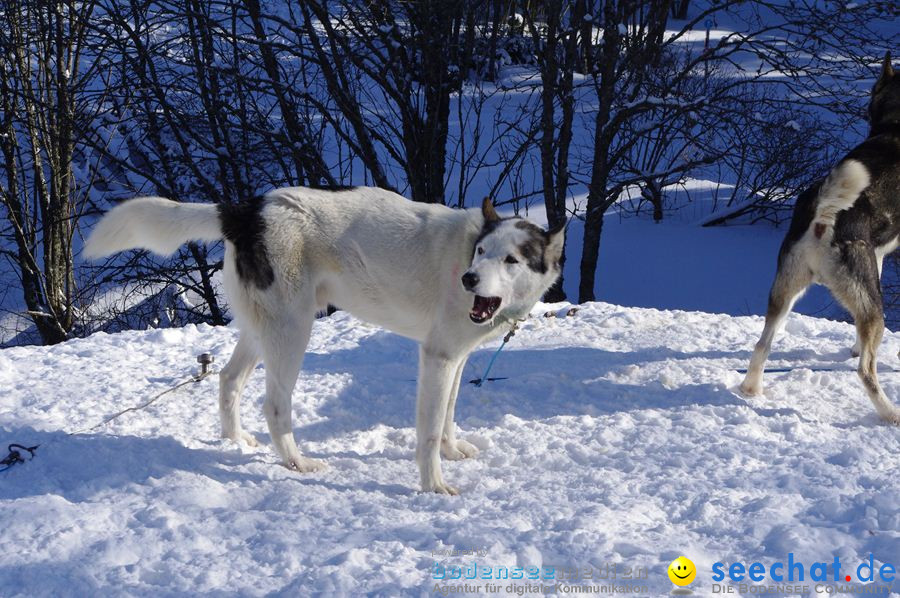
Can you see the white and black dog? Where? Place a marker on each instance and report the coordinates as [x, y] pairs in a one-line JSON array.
[[447, 278], [841, 230]]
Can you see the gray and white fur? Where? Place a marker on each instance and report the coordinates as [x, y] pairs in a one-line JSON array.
[[449, 279], [841, 230]]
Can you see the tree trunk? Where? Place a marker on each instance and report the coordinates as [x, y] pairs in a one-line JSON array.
[[590, 252], [438, 46], [604, 84]]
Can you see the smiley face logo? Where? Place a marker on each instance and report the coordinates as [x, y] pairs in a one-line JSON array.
[[682, 571]]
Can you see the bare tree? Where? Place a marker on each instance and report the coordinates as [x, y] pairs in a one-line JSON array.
[[408, 58], [556, 42], [46, 72], [532, 101], [206, 110], [654, 87]]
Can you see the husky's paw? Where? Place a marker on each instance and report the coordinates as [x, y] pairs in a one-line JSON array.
[[242, 437], [891, 417], [305, 464], [461, 450], [749, 388], [439, 487], [855, 350]]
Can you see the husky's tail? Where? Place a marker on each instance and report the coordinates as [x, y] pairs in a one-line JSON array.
[[153, 223], [839, 192]]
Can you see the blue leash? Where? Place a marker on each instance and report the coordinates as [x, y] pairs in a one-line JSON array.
[[484, 378]]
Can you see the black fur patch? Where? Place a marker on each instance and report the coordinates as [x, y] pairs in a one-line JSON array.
[[875, 216], [334, 188], [534, 248], [489, 227], [884, 107], [244, 226]]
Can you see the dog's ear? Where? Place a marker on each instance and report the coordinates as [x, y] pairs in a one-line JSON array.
[[887, 72], [556, 240], [488, 211]]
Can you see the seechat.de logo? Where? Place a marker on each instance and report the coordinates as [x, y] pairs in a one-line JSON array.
[[794, 571]]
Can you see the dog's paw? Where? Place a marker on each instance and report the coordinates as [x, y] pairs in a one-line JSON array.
[[248, 439], [305, 464], [242, 437], [750, 389], [892, 417], [461, 450], [440, 487]]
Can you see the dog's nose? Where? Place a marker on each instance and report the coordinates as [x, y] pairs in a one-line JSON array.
[[470, 280]]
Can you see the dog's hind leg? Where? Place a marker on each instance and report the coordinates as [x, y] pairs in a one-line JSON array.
[[790, 282], [283, 342], [232, 379], [452, 447], [857, 346], [857, 286], [870, 330]]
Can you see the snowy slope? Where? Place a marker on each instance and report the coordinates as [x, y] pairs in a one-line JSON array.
[[680, 264], [615, 439]]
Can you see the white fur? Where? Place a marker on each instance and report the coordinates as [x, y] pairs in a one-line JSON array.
[[153, 223], [386, 260], [496, 277], [840, 191]]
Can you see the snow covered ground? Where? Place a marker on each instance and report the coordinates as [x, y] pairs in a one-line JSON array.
[[615, 439]]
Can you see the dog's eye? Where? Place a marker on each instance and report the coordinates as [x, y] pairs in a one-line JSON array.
[[511, 260], [480, 251]]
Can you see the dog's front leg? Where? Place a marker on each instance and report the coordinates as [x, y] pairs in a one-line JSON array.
[[451, 447], [436, 373]]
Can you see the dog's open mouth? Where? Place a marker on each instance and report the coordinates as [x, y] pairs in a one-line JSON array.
[[483, 308]]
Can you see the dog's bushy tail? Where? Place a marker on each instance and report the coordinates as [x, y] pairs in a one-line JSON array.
[[153, 223], [840, 191]]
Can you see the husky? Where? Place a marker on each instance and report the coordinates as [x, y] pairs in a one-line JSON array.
[[841, 229], [449, 279]]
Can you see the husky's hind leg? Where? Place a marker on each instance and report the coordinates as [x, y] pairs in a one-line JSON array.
[[857, 346], [283, 342], [856, 284], [232, 379], [790, 282]]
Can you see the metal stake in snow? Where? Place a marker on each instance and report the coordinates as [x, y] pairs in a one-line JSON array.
[[204, 359]]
